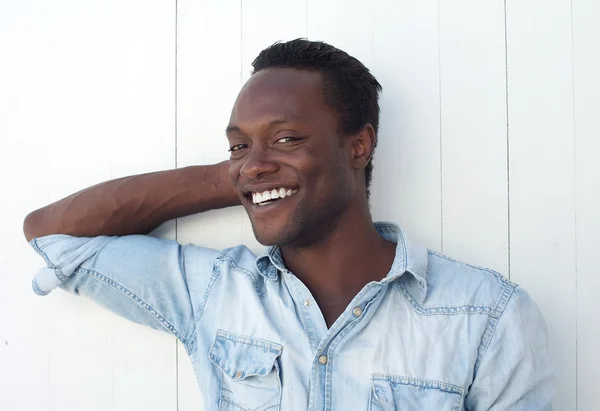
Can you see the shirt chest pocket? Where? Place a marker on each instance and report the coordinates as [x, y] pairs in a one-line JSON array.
[[396, 393], [250, 372]]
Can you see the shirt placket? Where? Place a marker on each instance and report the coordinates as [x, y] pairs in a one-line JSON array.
[[311, 317], [326, 343]]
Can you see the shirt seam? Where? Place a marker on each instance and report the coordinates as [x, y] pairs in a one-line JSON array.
[[101, 277], [427, 384], [183, 268], [244, 272], [37, 289], [38, 250], [450, 310], [135, 298], [251, 341], [496, 274], [339, 338], [216, 273], [490, 330], [308, 324], [388, 226]]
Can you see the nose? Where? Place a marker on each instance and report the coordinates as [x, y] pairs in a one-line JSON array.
[[258, 163]]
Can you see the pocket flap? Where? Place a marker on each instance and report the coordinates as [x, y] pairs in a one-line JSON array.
[[240, 356], [415, 393]]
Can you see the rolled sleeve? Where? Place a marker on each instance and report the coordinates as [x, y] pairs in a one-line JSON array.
[[141, 278], [515, 372]]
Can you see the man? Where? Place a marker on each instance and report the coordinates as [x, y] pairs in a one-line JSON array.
[[339, 313]]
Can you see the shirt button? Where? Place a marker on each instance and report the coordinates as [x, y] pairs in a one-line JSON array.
[[357, 311], [323, 359], [307, 303], [238, 374]]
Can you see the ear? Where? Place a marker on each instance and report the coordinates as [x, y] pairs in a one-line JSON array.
[[363, 144]]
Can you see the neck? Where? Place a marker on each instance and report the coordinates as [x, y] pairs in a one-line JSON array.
[[336, 268]]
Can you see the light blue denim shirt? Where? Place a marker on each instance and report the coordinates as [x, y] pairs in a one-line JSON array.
[[435, 334]]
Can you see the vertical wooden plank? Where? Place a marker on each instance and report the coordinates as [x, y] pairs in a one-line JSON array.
[[345, 24], [406, 182], [208, 80], [23, 332], [474, 141], [586, 56], [262, 25], [88, 85], [541, 172]]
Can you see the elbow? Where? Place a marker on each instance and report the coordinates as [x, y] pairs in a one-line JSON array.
[[31, 226]]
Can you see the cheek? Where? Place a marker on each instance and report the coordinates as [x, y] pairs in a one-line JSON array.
[[234, 171], [331, 181], [338, 170]]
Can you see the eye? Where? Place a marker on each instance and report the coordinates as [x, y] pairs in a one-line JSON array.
[[237, 147], [287, 139]]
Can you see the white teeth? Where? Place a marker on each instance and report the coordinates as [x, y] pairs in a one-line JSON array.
[[274, 194]]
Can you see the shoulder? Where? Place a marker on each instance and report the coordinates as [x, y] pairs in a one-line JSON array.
[[235, 260], [237, 266], [459, 287], [239, 256]]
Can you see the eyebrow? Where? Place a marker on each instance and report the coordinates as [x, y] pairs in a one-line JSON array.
[[283, 120]]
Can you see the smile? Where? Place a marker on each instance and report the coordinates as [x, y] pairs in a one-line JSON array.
[[270, 196]]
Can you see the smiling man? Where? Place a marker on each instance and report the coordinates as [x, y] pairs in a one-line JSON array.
[[339, 313]]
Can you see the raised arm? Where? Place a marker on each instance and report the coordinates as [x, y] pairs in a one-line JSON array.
[[135, 204]]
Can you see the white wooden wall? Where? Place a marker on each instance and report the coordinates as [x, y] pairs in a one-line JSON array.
[[488, 151]]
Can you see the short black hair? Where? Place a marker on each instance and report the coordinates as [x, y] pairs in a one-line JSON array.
[[350, 88]]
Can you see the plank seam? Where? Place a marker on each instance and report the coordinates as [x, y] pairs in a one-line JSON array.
[[507, 138], [176, 220], [441, 139], [575, 206]]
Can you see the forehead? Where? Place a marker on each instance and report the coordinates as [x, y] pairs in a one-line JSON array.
[[281, 93]]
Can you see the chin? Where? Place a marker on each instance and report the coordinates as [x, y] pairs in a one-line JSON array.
[[268, 238], [272, 235]]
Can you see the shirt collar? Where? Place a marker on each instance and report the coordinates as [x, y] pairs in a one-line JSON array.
[[410, 258]]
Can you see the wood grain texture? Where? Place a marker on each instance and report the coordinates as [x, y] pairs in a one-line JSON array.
[[487, 150], [90, 84], [345, 24], [265, 22], [406, 182], [541, 172], [473, 127], [586, 65], [208, 80]]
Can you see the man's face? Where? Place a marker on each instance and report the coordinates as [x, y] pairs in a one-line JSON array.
[[288, 162]]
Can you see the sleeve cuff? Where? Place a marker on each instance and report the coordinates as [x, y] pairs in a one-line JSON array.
[[46, 280]]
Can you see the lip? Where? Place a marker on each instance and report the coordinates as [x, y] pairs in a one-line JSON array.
[[260, 209], [261, 188]]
